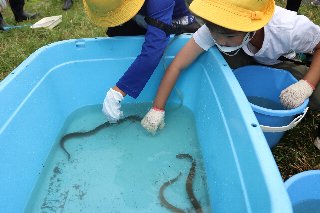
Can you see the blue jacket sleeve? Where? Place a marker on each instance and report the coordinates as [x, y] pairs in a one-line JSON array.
[[140, 71]]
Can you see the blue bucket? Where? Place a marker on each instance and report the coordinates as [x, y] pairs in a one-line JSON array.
[[262, 85], [304, 191]]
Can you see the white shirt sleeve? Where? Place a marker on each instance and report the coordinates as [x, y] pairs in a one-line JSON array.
[[305, 35], [203, 37]]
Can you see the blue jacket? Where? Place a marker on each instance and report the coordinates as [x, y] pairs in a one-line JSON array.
[[156, 40]]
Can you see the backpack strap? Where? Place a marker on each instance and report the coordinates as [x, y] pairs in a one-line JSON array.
[[172, 29], [298, 62]]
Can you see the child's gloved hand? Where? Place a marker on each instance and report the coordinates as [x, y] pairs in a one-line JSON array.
[[153, 120], [111, 105], [294, 95]]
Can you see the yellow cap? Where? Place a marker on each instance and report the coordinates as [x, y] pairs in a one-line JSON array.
[[239, 15], [110, 13]]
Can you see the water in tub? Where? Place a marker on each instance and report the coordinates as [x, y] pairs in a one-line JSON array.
[[122, 168]]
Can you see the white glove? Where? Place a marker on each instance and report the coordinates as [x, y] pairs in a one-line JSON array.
[[111, 105], [153, 120], [294, 95]]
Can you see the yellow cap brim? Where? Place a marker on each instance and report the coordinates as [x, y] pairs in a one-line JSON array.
[[232, 18], [127, 10]]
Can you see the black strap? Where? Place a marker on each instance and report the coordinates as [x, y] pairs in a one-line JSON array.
[[305, 62], [172, 29]]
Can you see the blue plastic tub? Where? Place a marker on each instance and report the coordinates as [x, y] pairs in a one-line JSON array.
[[39, 95], [304, 191], [262, 85]]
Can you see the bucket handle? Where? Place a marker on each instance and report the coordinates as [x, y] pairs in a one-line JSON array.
[[293, 123]]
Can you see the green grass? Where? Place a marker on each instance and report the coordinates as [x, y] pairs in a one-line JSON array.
[[17, 44], [295, 152]]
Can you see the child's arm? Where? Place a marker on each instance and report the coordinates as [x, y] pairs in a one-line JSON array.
[[154, 119], [294, 95], [182, 60], [313, 75]]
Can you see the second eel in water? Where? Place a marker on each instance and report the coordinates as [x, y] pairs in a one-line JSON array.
[[189, 188], [189, 183], [78, 134]]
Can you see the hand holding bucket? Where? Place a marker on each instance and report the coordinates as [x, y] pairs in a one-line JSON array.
[[294, 95], [267, 83]]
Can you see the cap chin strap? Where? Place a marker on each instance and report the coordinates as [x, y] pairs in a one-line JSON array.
[[226, 50]]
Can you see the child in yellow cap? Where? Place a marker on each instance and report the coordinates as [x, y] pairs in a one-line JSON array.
[[156, 19], [248, 32]]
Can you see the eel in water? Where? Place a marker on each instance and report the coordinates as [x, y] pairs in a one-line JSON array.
[[189, 183], [163, 200], [132, 118], [189, 188]]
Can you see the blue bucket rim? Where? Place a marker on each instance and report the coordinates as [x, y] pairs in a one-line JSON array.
[[280, 113], [271, 112], [288, 183]]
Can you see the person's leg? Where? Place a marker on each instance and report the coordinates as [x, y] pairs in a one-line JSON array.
[[67, 4], [316, 3], [16, 7], [2, 23], [130, 28], [293, 5], [18, 12], [317, 140], [299, 71]]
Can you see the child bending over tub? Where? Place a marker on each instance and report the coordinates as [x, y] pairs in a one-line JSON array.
[[248, 32], [156, 19]]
